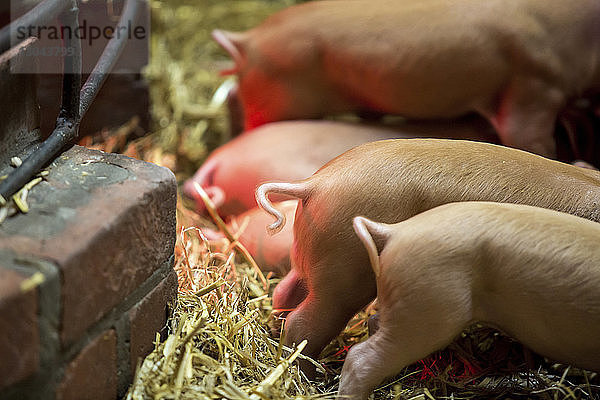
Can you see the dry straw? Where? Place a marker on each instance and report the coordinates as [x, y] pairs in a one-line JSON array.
[[220, 345]]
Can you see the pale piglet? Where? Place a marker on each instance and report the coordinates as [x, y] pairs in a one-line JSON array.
[[530, 272], [516, 62], [390, 181], [271, 252], [295, 150]]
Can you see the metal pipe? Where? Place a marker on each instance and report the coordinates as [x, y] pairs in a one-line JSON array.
[[67, 127], [42, 14], [109, 57], [67, 124], [71, 69]]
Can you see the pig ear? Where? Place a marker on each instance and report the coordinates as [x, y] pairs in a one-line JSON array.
[[370, 234], [233, 43]]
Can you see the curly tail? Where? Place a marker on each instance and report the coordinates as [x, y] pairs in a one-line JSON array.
[[298, 190]]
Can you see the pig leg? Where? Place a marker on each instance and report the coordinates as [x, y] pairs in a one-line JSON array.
[[406, 335], [318, 320], [324, 314], [527, 115], [290, 292]]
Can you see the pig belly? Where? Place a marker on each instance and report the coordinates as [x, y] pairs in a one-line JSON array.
[[548, 324]]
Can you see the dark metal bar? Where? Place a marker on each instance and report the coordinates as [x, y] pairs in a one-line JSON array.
[[67, 124], [67, 127], [42, 14], [109, 57], [71, 69]]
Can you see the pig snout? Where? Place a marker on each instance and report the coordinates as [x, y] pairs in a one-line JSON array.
[[527, 286], [214, 193], [212, 235], [203, 178]]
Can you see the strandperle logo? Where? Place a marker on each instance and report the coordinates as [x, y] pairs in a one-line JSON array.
[[87, 33], [99, 22]]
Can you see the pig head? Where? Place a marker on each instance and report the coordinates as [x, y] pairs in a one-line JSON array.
[[422, 59], [390, 181]]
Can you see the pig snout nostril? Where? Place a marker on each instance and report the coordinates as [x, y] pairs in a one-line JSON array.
[[216, 195]]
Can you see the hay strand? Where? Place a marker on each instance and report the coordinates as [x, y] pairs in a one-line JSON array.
[[225, 229]]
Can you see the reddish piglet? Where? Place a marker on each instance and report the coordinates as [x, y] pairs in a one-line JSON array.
[[295, 150], [422, 59]]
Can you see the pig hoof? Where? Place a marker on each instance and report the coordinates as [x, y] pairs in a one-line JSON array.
[[584, 164], [276, 325], [373, 324]]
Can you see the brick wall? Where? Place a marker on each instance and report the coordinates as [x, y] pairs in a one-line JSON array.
[[85, 277]]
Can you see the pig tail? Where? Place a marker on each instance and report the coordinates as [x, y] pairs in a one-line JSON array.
[[297, 190]]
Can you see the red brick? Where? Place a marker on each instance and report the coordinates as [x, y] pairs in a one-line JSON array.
[[19, 331], [93, 373], [107, 236], [149, 317]]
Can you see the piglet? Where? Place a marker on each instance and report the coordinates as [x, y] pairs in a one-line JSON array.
[[531, 272], [271, 252], [391, 181], [517, 63], [295, 150]]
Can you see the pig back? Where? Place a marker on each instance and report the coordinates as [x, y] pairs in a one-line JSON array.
[[392, 180], [284, 151]]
